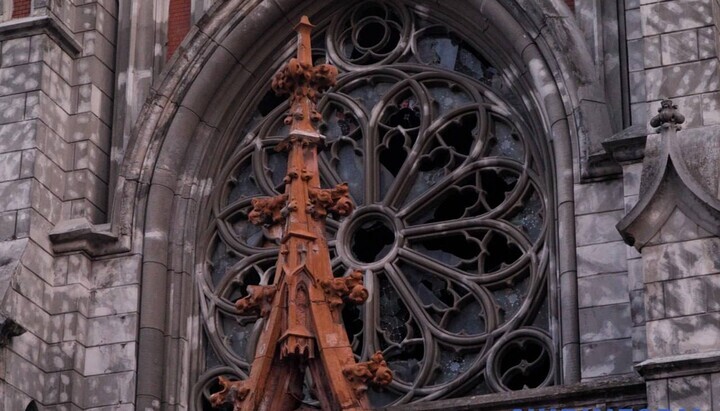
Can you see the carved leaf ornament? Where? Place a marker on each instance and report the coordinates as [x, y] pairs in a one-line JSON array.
[[451, 231]]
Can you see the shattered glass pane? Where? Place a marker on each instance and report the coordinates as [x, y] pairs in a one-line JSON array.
[[350, 168], [244, 185], [221, 261], [507, 143], [469, 319], [248, 233], [369, 95], [393, 314], [338, 123], [406, 360], [509, 299], [451, 363], [447, 99], [469, 64], [276, 167], [235, 335], [438, 51], [530, 219]]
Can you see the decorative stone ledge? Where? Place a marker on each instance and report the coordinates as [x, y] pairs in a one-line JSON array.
[[627, 146], [600, 166], [625, 392], [30, 26], [680, 365], [81, 235]]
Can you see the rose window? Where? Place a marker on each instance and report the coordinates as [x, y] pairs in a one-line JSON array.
[[452, 221]]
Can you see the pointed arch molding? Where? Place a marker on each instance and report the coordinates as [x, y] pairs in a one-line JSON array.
[[186, 127], [668, 182]]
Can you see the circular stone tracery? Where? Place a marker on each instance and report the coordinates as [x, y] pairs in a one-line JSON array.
[[451, 220], [371, 238]]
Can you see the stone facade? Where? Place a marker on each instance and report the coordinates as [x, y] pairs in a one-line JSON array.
[[111, 136]]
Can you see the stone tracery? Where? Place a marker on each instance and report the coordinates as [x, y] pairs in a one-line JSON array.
[[429, 150]]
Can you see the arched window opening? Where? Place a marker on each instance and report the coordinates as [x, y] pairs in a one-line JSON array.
[[453, 225]]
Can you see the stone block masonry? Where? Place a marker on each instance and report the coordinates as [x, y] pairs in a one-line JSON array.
[[668, 225], [56, 90], [672, 54], [604, 298]]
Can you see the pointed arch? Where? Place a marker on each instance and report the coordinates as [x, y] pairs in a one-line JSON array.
[[187, 124]]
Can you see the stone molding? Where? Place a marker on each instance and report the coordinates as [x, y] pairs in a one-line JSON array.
[[29, 26], [680, 365], [568, 58], [627, 146], [81, 235], [625, 392]]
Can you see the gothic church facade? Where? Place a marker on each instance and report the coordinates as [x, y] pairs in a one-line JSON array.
[[538, 226]]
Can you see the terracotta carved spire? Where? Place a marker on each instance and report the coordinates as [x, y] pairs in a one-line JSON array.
[[302, 324]]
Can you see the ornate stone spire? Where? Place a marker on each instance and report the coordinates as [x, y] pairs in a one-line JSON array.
[[301, 311]]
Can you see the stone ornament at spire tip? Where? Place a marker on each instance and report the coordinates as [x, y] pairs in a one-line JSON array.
[[303, 82], [304, 21], [668, 116]]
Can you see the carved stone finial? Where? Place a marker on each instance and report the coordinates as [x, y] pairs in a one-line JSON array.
[[668, 116], [335, 200], [9, 329], [267, 210], [303, 82], [351, 287], [233, 392], [259, 299], [374, 372]]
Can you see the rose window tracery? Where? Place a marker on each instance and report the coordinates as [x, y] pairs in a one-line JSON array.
[[452, 222]]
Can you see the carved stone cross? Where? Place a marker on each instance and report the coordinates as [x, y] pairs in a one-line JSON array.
[[301, 311]]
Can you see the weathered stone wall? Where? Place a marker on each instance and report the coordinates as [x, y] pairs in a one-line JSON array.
[[675, 224], [56, 86], [606, 323], [672, 49], [671, 53]]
